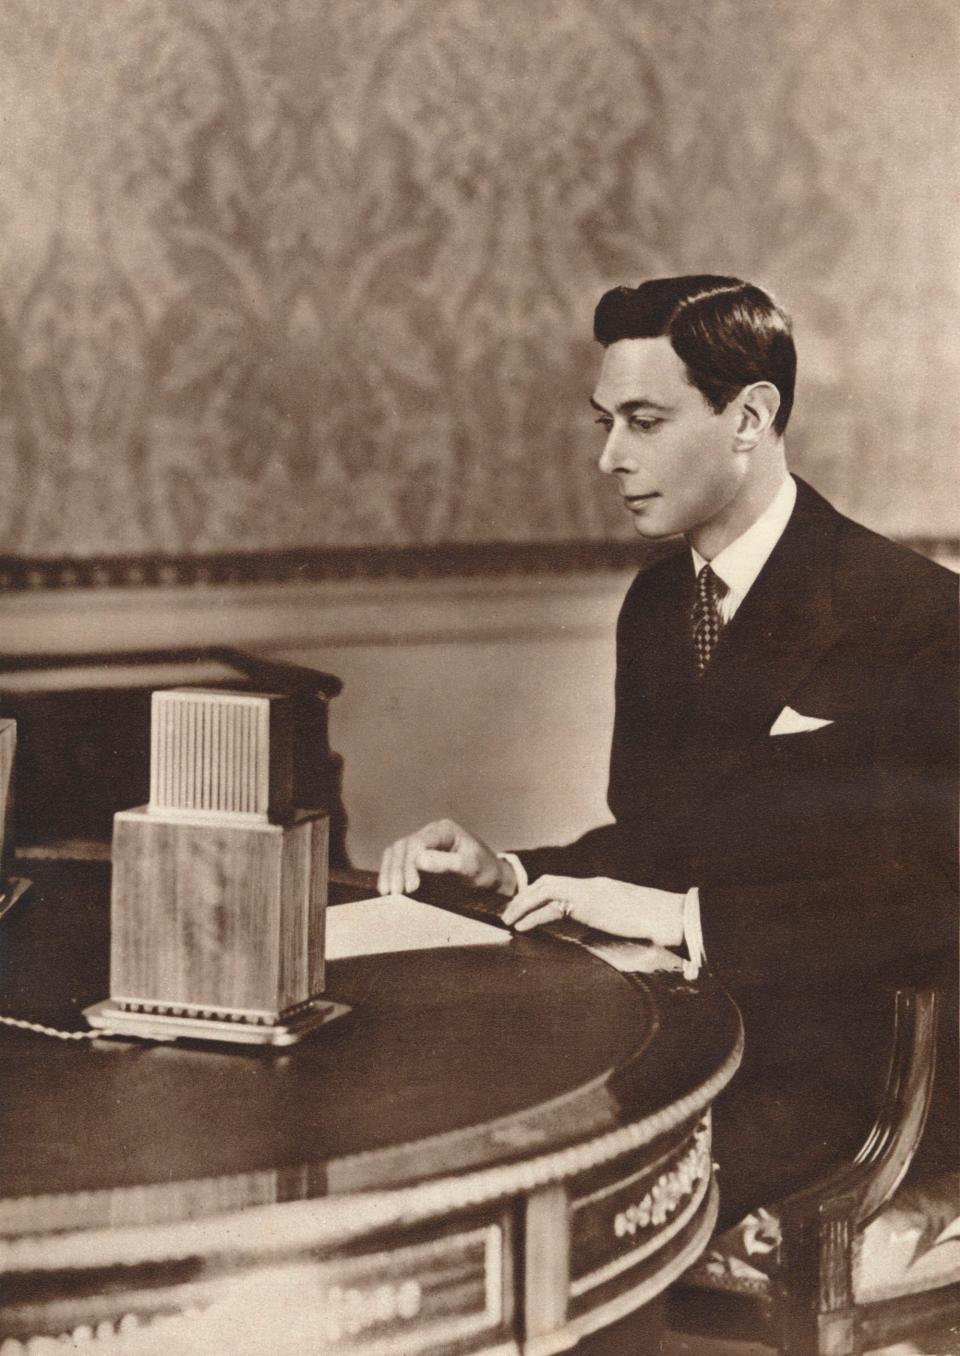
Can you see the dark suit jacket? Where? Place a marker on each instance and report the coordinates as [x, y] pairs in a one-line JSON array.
[[819, 853], [823, 858]]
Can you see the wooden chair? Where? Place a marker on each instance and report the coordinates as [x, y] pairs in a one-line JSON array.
[[83, 735], [808, 1296]]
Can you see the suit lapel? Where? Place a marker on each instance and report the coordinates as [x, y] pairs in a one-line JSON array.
[[784, 625], [660, 676], [656, 681]]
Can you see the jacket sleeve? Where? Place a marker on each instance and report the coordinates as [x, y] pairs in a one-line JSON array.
[[593, 854]]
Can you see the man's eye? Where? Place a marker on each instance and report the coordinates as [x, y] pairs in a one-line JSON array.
[[644, 423], [604, 422]]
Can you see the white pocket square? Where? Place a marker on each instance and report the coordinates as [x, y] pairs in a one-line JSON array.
[[791, 722]]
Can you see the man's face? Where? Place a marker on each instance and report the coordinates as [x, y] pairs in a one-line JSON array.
[[675, 461]]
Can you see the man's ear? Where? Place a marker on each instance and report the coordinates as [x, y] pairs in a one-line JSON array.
[[758, 405]]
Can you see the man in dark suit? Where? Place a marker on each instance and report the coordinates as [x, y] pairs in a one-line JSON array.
[[783, 767]]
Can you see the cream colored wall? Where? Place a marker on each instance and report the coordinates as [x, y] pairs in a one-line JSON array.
[[488, 700], [509, 736]]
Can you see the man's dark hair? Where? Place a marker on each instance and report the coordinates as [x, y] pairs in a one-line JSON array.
[[728, 333]]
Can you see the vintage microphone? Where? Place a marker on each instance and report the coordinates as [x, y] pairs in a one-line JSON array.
[[219, 883]]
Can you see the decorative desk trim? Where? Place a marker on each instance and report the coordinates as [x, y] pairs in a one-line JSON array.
[[675, 1187], [629, 1300], [437, 1292]]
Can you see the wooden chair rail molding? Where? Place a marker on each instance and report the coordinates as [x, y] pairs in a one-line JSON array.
[[437, 560], [441, 560]]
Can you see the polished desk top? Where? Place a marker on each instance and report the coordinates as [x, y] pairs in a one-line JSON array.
[[453, 1064], [438, 1042]]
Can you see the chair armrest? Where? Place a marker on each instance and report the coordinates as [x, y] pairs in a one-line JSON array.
[[864, 1186]]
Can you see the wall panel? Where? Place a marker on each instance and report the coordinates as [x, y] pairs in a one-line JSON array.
[[297, 275]]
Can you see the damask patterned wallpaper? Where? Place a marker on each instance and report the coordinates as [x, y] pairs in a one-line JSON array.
[[281, 274]]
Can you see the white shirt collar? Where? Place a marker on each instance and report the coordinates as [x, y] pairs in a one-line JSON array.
[[739, 563]]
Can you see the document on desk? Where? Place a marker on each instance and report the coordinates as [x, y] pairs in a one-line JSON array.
[[370, 927]]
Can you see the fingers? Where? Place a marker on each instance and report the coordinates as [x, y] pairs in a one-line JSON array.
[[397, 873], [551, 912], [424, 850], [442, 846], [544, 890], [435, 863]]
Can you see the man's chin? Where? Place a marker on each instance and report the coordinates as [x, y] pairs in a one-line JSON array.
[[653, 531]]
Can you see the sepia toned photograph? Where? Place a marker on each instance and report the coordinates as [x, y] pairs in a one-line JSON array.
[[479, 677]]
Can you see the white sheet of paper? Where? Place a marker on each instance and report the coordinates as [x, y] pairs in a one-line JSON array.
[[370, 927]]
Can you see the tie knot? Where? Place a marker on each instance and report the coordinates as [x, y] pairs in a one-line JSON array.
[[710, 587]]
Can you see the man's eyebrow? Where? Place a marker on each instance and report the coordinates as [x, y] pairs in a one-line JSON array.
[[630, 406]]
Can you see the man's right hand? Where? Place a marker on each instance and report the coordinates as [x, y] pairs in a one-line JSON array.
[[443, 846]]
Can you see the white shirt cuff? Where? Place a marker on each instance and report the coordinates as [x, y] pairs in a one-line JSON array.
[[513, 860], [692, 935]]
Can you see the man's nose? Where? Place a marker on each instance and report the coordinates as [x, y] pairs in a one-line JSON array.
[[616, 455]]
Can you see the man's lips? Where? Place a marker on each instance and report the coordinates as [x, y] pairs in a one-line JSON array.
[[637, 500]]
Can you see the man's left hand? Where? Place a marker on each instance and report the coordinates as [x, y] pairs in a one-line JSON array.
[[598, 902]]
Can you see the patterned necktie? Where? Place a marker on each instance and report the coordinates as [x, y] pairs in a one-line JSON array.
[[705, 616]]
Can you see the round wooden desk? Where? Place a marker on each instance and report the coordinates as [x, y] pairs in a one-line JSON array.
[[500, 1150]]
